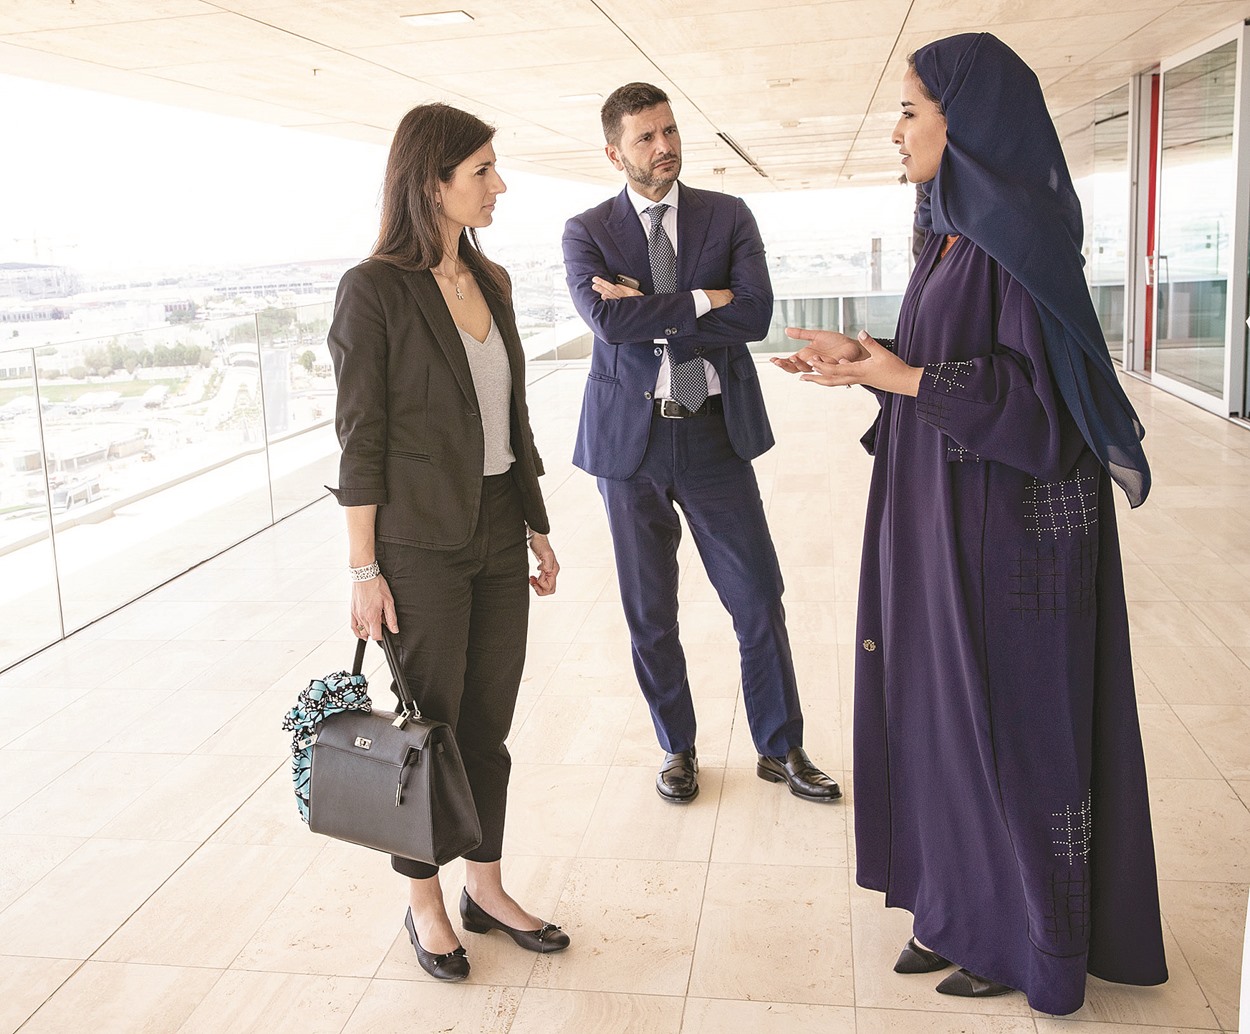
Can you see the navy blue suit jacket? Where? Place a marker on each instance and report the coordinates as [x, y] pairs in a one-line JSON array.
[[718, 246]]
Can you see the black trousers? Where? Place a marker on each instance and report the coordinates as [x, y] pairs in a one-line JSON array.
[[463, 616]]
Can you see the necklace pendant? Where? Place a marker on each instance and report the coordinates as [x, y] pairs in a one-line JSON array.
[[459, 293]]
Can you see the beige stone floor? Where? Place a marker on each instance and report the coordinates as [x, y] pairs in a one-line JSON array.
[[154, 875]]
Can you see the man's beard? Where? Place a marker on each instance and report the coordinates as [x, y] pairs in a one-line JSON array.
[[645, 177]]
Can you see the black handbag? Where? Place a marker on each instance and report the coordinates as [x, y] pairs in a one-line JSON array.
[[392, 782]]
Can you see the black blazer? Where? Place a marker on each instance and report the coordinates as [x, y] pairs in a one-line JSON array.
[[407, 415]]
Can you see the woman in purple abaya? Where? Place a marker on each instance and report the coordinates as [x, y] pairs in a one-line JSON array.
[[1000, 786]]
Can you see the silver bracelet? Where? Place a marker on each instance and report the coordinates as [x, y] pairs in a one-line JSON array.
[[364, 574]]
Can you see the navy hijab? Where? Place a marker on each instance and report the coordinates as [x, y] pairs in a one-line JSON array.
[[1003, 183]]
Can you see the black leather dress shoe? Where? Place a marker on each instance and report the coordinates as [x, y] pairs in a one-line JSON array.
[[546, 939], [963, 984], [915, 959], [796, 769], [452, 965], [678, 780]]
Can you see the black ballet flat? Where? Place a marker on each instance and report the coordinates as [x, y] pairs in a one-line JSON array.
[[452, 965], [963, 984], [915, 959], [546, 939]]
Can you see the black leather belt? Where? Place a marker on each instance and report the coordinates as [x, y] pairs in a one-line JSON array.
[[672, 410]]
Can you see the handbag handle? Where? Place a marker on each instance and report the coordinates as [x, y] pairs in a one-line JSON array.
[[407, 704]]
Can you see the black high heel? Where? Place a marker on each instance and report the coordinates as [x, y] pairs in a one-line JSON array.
[[452, 965], [915, 959], [963, 984], [546, 939]]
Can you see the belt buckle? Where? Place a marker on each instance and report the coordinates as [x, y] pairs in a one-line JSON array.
[[676, 412]]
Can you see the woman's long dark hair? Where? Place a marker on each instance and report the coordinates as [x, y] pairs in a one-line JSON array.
[[430, 142]]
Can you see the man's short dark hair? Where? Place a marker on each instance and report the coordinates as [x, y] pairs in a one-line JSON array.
[[627, 100]]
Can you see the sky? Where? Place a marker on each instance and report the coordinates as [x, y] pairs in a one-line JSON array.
[[106, 183], [110, 185]]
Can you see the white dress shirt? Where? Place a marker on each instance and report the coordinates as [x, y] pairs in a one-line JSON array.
[[702, 304]]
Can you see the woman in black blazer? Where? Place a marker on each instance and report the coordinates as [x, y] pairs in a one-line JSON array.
[[439, 478]]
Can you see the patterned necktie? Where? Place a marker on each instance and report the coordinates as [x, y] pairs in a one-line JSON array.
[[689, 379]]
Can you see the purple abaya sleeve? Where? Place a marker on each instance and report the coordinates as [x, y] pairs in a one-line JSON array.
[[1005, 406], [869, 438]]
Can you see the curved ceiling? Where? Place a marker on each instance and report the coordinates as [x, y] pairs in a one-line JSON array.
[[769, 94]]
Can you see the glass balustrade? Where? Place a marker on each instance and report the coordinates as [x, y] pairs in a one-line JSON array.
[[129, 459]]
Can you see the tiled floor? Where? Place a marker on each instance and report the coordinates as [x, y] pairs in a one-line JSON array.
[[161, 881]]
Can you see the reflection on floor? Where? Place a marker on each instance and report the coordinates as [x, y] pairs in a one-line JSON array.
[[154, 875]]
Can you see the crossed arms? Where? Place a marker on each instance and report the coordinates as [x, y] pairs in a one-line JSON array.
[[737, 285]]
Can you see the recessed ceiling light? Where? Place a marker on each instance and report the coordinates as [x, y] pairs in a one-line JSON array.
[[573, 98], [774, 84], [437, 18]]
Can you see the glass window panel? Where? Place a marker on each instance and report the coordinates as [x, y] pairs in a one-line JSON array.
[[548, 323], [299, 404], [1096, 145], [876, 313], [155, 454], [1196, 204], [30, 614], [815, 313]]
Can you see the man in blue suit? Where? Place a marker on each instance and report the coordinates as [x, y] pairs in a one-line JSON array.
[[673, 282]]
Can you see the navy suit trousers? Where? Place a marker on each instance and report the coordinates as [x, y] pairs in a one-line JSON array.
[[690, 463]]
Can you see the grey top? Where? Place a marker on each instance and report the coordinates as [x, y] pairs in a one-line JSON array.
[[492, 381]]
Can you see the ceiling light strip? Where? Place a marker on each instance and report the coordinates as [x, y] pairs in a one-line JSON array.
[[741, 153], [437, 18]]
